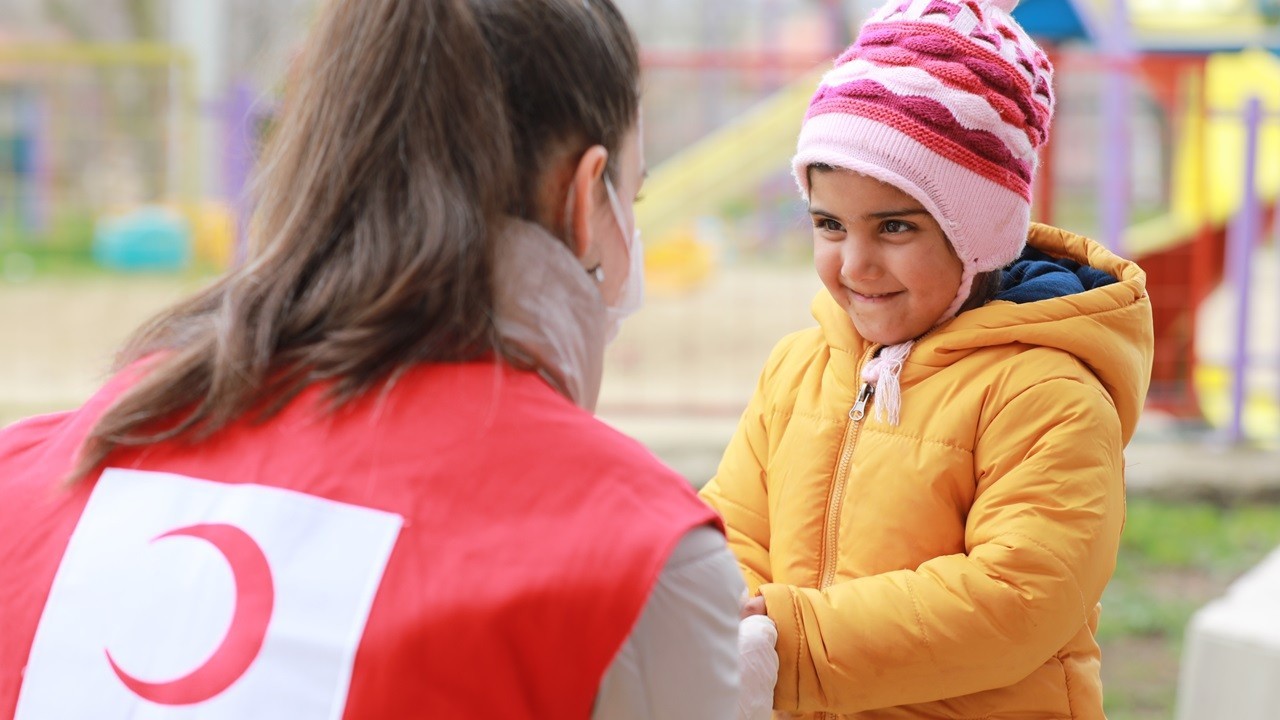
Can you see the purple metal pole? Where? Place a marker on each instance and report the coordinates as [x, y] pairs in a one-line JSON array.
[[1275, 252], [26, 161], [1241, 243], [1114, 190], [240, 123], [41, 173], [770, 21], [711, 78], [838, 20]]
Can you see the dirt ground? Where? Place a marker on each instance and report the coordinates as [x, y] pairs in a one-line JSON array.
[[1140, 667], [60, 334], [697, 352]]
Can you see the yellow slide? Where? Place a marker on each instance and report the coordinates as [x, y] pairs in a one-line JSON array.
[[1208, 188], [1208, 172], [734, 160], [729, 163], [1207, 183]]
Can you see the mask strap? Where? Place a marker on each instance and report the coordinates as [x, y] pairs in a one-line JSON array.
[[616, 205]]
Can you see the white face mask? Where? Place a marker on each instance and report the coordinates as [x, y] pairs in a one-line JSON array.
[[631, 294]]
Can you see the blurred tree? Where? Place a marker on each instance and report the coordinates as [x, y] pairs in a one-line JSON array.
[[264, 35], [1270, 10], [136, 98], [20, 14], [144, 17], [103, 21]]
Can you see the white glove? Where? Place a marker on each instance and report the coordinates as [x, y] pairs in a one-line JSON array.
[[758, 657]]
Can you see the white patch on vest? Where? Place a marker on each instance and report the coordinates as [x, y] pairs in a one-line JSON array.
[[162, 608]]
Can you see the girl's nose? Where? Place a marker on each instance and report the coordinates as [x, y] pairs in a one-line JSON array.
[[859, 260]]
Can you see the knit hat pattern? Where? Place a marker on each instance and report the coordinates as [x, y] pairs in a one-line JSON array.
[[949, 102]]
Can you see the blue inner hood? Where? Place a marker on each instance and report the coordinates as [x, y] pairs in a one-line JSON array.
[[1036, 275]]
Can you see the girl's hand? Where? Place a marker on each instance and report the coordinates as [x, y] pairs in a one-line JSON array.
[[754, 606]]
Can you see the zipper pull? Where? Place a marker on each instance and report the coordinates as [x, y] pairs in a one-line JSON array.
[[859, 410]]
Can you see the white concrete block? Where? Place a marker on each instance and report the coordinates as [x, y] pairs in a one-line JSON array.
[[1231, 657]]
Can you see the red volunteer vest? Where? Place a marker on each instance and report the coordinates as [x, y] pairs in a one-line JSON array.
[[467, 543]]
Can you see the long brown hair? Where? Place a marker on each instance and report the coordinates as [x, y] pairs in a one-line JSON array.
[[412, 128]]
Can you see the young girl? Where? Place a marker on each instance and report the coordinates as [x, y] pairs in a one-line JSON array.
[[926, 491], [359, 477]]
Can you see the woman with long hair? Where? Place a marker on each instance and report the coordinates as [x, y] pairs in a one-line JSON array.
[[359, 475]]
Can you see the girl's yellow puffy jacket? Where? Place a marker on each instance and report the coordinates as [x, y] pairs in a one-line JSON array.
[[949, 567]]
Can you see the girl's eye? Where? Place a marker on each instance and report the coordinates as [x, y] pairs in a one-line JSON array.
[[827, 224], [892, 227]]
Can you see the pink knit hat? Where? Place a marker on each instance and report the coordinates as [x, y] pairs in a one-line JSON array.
[[948, 102]]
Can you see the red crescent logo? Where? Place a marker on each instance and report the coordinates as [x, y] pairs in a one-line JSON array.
[[255, 598]]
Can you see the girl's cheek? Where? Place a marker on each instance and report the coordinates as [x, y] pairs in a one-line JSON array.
[[829, 264]]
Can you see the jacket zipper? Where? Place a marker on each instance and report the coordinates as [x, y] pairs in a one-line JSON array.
[[836, 501], [836, 498], [831, 530]]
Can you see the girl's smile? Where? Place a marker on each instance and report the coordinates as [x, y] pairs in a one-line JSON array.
[[882, 297]]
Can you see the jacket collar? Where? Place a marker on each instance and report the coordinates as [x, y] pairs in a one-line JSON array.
[[549, 312]]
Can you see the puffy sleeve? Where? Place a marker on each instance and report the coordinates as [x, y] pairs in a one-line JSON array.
[[737, 491], [1040, 539]]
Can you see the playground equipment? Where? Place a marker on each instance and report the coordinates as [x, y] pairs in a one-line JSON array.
[[1222, 189], [93, 130], [727, 164], [148, 238], [23, 145], [735, 160], [1201, 93]]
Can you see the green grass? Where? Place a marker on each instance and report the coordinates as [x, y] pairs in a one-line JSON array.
[[65, 250], [1173, 559], [1198, 536]]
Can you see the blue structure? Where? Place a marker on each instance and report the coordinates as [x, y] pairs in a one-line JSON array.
[[147, 239], [23, 204], [1053, 20]]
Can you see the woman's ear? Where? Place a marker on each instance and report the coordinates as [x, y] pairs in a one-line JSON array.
[[588, 172]]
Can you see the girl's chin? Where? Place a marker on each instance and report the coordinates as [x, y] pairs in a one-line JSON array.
[[877, 334]]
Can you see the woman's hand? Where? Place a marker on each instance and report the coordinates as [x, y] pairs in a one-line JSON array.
[[758, 657]]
